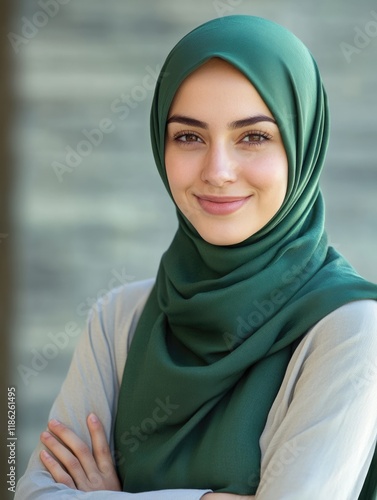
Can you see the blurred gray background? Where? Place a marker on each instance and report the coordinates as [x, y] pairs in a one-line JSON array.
[[80, 230]]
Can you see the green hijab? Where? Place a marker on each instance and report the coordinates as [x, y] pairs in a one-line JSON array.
[[218, 330]]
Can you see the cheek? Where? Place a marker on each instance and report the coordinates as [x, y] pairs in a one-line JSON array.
[[270, 175], [171, 171], [175, 180], [180, 173]]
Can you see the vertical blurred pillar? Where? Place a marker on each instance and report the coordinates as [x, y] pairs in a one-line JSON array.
[[5, 231]]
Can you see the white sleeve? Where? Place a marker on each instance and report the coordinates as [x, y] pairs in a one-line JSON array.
[[321, 431], [92, 384]]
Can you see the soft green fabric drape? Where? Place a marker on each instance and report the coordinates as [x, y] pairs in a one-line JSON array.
[[214, 340]]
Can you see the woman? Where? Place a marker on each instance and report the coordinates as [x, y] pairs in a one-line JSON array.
[[250, 372]]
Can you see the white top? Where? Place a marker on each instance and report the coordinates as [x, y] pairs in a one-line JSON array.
[[321, 430]]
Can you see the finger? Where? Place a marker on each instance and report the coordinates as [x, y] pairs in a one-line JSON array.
[[101, 449], [65, 457], [78, 450], [56, 470]]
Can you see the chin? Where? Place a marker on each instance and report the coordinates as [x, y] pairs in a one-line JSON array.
[[222, 238]]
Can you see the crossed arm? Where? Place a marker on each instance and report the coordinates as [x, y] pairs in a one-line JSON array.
[[71, 462]]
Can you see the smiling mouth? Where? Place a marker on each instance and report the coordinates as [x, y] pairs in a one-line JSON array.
[[221, 205]]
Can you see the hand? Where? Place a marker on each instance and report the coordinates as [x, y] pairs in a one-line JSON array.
[[77, 466]]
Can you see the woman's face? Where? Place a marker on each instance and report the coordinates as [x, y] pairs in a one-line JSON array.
[[225, 160]]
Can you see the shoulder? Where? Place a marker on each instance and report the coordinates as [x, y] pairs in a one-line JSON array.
[[112, 322], [359, 312], [124, 300], [117, 312], [344, 341], [354, 322], [334, 362]]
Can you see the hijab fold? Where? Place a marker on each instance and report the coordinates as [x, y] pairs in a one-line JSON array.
[[218, 330]]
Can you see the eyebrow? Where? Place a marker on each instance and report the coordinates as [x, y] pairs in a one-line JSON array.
[[245, 122]]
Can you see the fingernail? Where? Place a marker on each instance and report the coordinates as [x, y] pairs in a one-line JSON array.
[[45, 435], [45, 454], [54, 422], [93, 418]]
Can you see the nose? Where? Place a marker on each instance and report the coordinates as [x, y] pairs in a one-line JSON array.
[[219, 167]]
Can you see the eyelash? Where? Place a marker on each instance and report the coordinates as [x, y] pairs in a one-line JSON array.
[[259, 133], [183, 133], [262, 135]]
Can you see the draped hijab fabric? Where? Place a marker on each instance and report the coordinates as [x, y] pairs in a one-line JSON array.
[[218, 330]]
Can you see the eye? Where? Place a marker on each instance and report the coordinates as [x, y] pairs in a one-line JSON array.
[[255, 138], [187, 137]]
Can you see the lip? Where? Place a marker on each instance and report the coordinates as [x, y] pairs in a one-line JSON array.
[[221, 205]]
